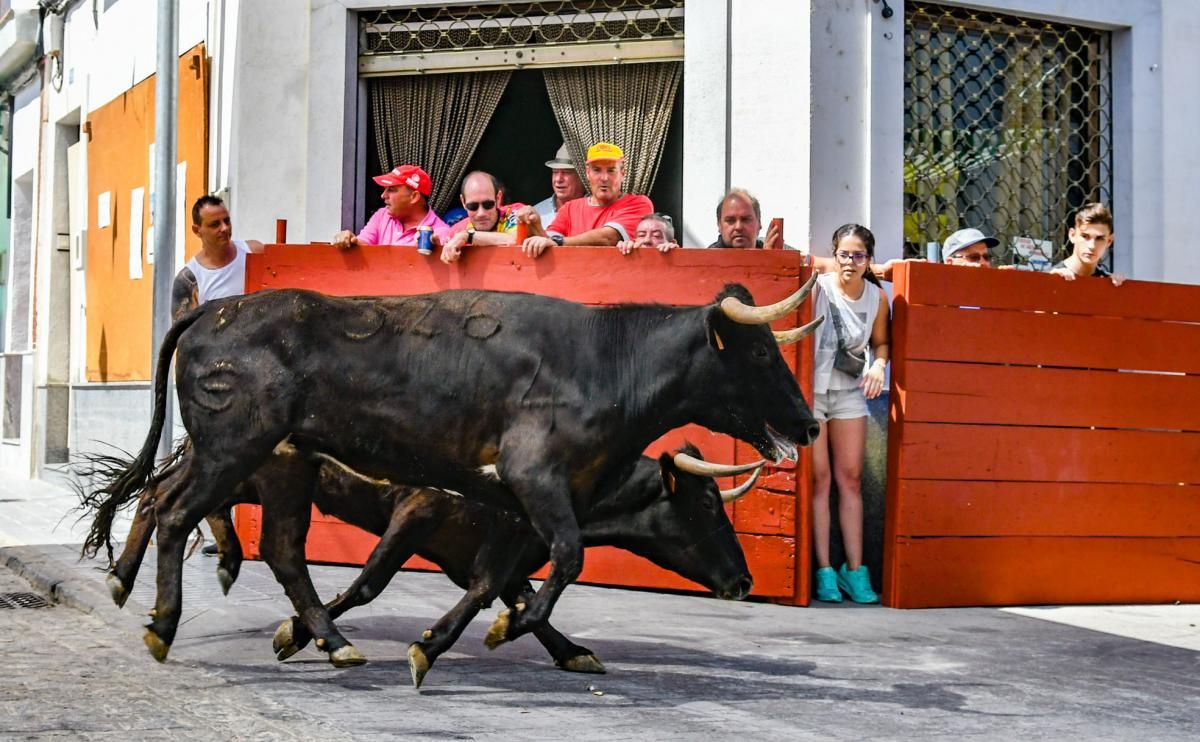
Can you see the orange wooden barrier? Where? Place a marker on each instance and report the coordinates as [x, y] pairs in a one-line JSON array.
[[1044, 441], [772, 521]]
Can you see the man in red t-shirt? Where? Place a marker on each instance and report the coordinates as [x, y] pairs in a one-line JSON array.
[[604, 218]]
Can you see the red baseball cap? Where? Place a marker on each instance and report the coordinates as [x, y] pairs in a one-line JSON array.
[[407, 175]]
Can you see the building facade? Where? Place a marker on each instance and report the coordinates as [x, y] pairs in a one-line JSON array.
[[914, 118]]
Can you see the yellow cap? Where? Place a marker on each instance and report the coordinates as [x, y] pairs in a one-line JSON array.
[[604, 151]]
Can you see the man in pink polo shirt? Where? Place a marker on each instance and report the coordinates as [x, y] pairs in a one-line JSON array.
[[604, 218], [406, 197]]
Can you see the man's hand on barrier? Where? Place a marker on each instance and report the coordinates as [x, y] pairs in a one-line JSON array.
[[345, 240], [452, 250], [535, 246]]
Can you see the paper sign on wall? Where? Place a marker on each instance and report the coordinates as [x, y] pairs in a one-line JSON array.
[[152, 182], [104, 210], [181, 209], [136, 202]]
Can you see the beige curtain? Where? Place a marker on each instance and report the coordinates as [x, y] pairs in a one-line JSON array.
[[626, 104], [434, 121]]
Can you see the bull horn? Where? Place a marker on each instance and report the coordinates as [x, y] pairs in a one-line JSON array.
[[700, 467], [787, 337], [728, 496], [746, 314]]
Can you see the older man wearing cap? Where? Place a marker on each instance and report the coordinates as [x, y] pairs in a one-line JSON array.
[[606, 217], [968, 247], [564, 182], [406, 191]]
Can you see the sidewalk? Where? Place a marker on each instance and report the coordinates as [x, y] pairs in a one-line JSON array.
[[680, 666]]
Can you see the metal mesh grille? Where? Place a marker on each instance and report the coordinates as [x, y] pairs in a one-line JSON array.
[[439, 29], [1007, 128], [22, 600]]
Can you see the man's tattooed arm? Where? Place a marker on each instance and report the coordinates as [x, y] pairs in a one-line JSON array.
[[183, 294]]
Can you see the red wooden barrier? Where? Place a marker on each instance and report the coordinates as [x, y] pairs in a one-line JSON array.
[[772, 521], [1028, 460]]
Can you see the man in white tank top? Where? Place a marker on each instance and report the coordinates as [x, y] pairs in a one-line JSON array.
[[219, 269]]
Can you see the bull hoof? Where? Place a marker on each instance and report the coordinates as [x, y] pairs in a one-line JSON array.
[[158, 648], [418, 664], [588, 663], [226, 579], [498, 634], [117, 588], [284, 642], [347, 656]]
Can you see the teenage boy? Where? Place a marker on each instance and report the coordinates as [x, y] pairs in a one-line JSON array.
[[1090, 239]]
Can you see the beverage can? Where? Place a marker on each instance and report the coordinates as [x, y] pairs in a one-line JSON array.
[[521, 231], [425, 239]]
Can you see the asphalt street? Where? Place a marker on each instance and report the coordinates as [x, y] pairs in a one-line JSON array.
[[679, 666]]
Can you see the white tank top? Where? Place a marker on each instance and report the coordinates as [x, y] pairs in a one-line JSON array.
[[858, 317], [228, 280]]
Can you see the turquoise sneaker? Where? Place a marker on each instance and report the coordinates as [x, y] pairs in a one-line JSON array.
[[827, 586], [857, 584]]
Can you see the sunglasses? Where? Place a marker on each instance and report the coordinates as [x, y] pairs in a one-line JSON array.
[[476, 205], [974, 257]]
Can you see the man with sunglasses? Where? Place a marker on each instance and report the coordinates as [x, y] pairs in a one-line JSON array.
[[489, 220], [654, 230], [968, 247]]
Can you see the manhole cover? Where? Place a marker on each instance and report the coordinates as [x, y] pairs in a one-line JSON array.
[[22, 600]]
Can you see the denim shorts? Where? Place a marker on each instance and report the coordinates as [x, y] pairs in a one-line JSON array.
[[839, 404]]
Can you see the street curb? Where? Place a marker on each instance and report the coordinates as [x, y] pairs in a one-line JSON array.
[[51, 577]]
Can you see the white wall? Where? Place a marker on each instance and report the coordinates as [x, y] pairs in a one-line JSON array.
[[705, 117], [271, 155], [124, 43], [770, 121], [840, 134], [1180, 143]]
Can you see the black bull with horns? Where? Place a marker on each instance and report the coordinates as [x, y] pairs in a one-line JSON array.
[[669, 512], [426, 390]]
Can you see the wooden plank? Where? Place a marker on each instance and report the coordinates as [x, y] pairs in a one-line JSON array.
[[766, 513], [1025, 454], [952, 286], [927, 508], [584, 274], [1028, 395], [768, 557], [943, 572], [1027, 338]]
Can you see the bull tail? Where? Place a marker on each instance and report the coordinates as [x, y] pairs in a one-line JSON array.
[[125, 480]]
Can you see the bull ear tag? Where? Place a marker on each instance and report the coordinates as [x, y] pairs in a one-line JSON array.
[[717, 337], [669, 481]]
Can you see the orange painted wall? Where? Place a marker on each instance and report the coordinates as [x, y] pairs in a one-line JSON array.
[[1027, 464], [119, 308], [772, 521]]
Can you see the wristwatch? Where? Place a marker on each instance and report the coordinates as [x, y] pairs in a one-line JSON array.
[[558, 239], [470, 233]]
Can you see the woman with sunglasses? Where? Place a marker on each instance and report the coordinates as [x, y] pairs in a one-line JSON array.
[[851, 355]]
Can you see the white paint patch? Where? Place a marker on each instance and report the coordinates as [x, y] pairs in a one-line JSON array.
[[1170, 625], [490, 471]]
